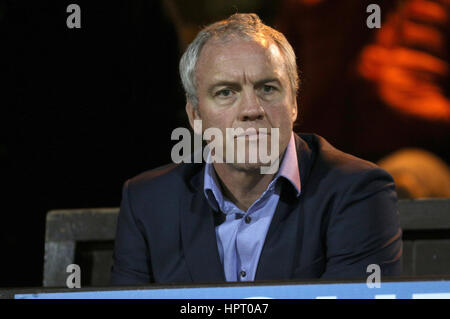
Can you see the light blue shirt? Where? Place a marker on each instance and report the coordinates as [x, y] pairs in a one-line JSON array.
[[241, 236]]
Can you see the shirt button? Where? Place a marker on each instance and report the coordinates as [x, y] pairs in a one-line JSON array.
[[243, 273], [248, 219]]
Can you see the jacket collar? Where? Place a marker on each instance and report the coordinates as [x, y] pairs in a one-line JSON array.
[[198, 234]]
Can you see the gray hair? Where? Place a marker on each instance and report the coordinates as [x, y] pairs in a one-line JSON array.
[[240, 25]]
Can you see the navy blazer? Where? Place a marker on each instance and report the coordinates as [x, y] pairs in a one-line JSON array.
[[345, 219]]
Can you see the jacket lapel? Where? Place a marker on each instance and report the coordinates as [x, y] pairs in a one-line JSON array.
[[198, 235], [282, 241], [284, 238]]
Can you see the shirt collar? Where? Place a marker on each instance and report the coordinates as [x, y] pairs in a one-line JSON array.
[[288, 169], [289, 166]]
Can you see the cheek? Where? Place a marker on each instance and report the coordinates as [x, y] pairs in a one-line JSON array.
[[212, 120], [280, 115], [216, 117]]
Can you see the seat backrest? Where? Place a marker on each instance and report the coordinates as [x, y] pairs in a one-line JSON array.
[[86, 237], [79, 236], [426, 236]]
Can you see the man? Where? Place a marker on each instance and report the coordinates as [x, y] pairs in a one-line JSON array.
[[322, 214]]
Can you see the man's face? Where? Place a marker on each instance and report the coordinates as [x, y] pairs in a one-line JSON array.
[[244, 84]]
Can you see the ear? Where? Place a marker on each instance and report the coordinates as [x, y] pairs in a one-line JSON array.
[[294, 111], [193, 114]]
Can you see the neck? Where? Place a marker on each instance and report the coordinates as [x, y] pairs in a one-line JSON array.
[[243, 187]]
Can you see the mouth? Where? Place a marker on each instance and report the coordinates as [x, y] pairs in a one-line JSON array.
[[252, 134]]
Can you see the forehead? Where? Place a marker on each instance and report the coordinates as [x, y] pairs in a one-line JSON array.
[[240, 57]]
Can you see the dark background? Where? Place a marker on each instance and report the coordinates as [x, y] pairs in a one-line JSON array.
[[82, 110]]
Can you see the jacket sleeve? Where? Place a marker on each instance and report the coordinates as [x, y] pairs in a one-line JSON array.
[[131, 259], [364, 228]]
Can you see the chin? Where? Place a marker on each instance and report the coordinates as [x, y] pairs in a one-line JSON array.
[[247, 167]]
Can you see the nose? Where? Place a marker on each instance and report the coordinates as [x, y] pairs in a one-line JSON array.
[[250, 108]]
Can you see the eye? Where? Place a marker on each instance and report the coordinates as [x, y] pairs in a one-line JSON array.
[[224, 93], [268, 89]]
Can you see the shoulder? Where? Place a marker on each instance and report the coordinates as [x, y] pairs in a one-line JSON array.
[[337, 170], [324, 156], [327, 155], [154, 176], [161, 181]]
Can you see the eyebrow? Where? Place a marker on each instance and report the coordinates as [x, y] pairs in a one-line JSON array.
[[266, 80], [237, 84], [223, 83]]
